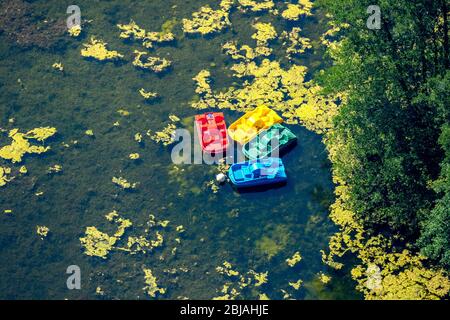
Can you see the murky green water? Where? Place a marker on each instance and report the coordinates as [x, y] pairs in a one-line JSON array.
[[227, 226]]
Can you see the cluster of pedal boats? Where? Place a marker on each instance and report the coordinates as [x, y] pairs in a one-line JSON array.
[[263, 139]]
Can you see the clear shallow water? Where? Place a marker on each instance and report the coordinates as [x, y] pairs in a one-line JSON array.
[[227, 226]]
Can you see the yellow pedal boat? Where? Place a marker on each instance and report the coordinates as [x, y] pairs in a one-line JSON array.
[[253, 122]]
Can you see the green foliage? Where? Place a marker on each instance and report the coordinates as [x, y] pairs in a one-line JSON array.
[[435, 237], [397, 83]]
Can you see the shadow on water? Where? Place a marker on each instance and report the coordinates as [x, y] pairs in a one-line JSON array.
[[288, 148], [260, 189]]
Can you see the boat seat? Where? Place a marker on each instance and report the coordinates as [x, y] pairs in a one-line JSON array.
[[254, 167], [215, 146], [257, 173], [238, 175]]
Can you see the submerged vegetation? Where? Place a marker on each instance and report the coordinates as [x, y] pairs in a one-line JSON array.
[[26, 28], [380, 105], [151, 287]]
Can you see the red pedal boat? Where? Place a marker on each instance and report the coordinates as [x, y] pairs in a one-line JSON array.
[[212, 132]]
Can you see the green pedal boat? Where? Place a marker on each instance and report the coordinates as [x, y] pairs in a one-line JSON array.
[[261, 145]]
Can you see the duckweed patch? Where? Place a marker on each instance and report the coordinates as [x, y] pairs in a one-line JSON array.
[[295, 11], [147, 94], [133, 32], [75, 31], [256, 5], [296, 258], [123, 183], [154, 64], [167, 135], [4, 176], [240, 283], [99, 244], [96, 49], [208, 21], [20, 145], [42, 231]]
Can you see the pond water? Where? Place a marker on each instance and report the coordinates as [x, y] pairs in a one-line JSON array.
[[253, 231]]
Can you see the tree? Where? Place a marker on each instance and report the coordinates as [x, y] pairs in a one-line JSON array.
[[396, 80]]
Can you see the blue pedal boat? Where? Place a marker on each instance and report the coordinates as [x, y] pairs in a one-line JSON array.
[[257, 172]]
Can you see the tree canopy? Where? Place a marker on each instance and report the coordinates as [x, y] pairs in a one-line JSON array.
[[395, 119]]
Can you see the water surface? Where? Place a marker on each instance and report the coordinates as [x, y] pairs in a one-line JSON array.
[[227, 226]]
